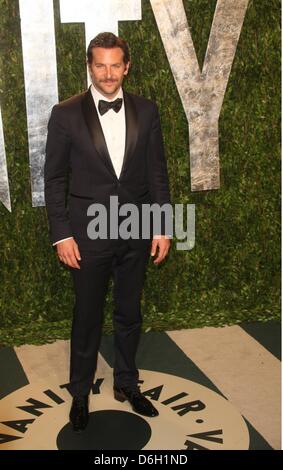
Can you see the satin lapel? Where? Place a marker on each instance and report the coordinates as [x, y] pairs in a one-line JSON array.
[[95, 130], [131, 130]]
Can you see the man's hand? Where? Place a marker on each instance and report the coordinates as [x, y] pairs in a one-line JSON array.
[[162, 242], [68, 253]]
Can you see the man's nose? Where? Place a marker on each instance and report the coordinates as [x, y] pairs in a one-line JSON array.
[[108, 72]]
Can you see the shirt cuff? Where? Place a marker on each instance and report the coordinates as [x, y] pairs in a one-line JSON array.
[[59, 241]]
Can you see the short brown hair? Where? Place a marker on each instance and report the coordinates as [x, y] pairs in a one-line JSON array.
[[108, 41]]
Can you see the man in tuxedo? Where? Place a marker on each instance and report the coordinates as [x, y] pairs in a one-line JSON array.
[[101, 143]]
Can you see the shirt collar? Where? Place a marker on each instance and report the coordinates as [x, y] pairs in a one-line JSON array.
[[98, 96]]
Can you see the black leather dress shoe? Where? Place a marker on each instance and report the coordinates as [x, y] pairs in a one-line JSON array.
[[79, 413], [139, 403]]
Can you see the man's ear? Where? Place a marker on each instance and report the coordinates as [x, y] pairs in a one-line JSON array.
[[89, 71], [88, 67], [127, 68]]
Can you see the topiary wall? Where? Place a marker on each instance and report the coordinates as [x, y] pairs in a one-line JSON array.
[[233, 272]]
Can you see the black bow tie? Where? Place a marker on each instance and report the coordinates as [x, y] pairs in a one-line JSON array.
[[104, 106]]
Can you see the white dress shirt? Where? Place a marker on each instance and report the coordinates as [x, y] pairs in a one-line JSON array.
[[114, 129]]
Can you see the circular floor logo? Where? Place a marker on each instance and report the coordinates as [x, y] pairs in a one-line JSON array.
[[191, 417]]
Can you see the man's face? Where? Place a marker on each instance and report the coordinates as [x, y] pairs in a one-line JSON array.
[[107, 70]]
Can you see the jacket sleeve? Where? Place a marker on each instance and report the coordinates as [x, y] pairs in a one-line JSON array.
[[157, 168], [56, 175]]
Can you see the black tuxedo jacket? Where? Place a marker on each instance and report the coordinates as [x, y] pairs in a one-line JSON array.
[[78, 169]]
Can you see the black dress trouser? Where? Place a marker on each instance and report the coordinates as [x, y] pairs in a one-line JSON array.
[[128, 267]]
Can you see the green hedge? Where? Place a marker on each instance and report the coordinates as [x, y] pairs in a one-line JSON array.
[[233, 272]]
